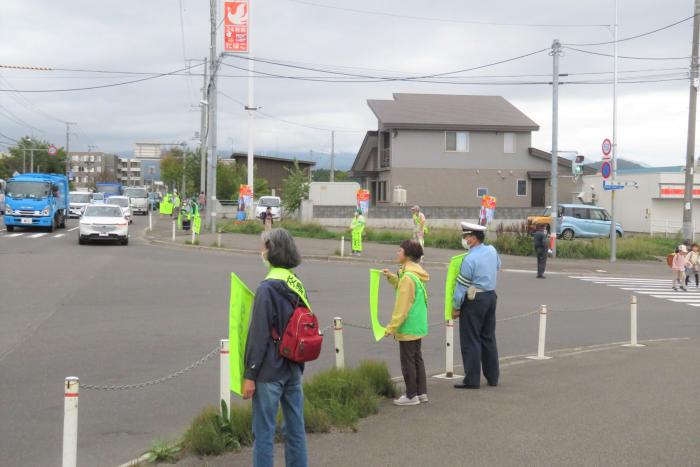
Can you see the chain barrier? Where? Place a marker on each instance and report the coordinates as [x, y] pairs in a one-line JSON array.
[[358, 326], [126, 387], [523, 315], [327, 328], [595, 308]]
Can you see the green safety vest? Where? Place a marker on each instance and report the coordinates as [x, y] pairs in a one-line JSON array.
[[358, 223], [292, 282], [416, 323], [416, 221]]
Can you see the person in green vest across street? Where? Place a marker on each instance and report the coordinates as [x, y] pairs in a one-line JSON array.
[[419, 227], [409, 320], [358, 229]]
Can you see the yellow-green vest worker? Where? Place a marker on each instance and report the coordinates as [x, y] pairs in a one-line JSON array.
[[358, 228]]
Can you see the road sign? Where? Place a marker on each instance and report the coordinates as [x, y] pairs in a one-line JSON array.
[[236, 26], [608, 187], [607, 147], [52, 150], [605, 170]]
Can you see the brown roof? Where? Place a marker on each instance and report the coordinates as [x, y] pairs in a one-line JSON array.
[[450, 112], [563, 161], [244, 156]]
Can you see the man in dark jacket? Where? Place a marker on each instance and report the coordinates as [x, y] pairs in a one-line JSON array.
[[541, 249], [270, 379]]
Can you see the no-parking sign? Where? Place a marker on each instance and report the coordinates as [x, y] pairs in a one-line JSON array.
[[605, 170]]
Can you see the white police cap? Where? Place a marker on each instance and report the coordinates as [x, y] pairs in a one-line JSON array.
[[468, 227]]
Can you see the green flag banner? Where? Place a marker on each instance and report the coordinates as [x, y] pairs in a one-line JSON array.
[[179, 219], [240, 308], [166, 207], [452, 273], [375, 276], [197, 223]]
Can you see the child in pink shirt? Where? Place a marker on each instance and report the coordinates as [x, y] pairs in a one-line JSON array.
[[678, 267]]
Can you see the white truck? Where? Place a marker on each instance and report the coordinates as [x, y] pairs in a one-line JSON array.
[[138, 199]]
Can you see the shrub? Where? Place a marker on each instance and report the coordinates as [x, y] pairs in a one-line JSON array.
[[204, 436], [315, 419], [245, 227], [377, 375], [163, 451], [241, 423], [299, 229]]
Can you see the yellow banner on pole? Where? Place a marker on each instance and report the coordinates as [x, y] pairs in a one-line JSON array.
[[375, 276], [240, 308], [450, 282]]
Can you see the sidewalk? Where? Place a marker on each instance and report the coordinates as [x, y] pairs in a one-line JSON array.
[[383, 253], [605, 406]]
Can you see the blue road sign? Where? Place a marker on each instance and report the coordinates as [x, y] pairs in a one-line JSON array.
[[612, 187], [605, 170]]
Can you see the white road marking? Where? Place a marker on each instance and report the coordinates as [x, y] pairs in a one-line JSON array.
[[58, 236], [74, 228], [14, 235], [37, 235], [659, 288]]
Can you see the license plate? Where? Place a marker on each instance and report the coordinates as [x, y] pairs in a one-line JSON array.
[[26, 220], [103, 234]]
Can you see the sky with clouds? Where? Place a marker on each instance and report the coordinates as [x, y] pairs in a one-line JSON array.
[[423, 38]]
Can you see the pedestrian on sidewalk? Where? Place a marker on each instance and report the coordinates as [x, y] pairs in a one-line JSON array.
[[409, 320], [266, 218], [474, 303], [691, 264], [419, 227], [678, 267], [270, 379], [357, 226], [201, 200], [541, 247]]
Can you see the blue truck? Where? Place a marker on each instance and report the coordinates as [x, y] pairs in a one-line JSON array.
[[109, 189], [36, 200]]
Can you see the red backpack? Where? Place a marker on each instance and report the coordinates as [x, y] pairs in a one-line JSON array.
[[302, 340]]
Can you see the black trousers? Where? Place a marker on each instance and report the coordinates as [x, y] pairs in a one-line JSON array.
[[413, 368], [477, 339], [541, 262], [687, 278]]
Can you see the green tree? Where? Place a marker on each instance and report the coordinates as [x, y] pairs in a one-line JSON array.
[[171, 169], [229, 178], [20, 157], [296, 188]]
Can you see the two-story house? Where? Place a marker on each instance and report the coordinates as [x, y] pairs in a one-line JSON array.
[[450, 150]]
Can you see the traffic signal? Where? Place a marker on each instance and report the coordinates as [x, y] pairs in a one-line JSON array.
[[577, 165]]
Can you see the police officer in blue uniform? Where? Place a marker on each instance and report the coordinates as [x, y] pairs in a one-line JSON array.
[[474, 303]]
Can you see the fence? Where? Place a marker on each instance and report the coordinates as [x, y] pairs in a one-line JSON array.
[[72, 384], [667, 227]]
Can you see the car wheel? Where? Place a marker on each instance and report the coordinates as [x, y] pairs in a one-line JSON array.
[[567, 234], [52, 227], [81, 240], [10, 228], [125, 241], [619, 234]]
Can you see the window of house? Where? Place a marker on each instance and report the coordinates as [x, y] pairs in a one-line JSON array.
[[509, 143], [521, 187], [481, 192], [457, 141], [382, 191]]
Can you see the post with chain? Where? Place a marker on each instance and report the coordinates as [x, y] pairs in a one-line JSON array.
[[150, 220], [542, 335], [449, 348], [224, 373], [342, 246], [218, 239], [633, 324], [338, 340], [173, 230], [193, 237], [71, 392]]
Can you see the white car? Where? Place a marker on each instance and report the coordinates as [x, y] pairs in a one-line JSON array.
[[78, 200], [103, 222], [122, 202], [273, 202]]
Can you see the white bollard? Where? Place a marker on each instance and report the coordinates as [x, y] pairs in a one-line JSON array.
[[342, 246], [449, 353], [173, 231], [218, 239], [542, 335], [150, 221], [633, 324], [338, 340], [193, 237], [224, 374], [70, 421]]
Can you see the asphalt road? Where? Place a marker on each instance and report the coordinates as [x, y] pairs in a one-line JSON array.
[[111, 314]]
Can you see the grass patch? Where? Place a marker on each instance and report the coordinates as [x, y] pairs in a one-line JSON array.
[[164, 451], [436, 238], [300, 229], [378, 377], [244, 227], [190, 242]]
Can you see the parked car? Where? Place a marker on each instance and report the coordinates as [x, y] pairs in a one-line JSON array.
[[103, 222], [273, 202], [124, 203], [98, 198], [78, 201], [585, 221]]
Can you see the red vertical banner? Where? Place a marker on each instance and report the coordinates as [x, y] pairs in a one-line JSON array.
[[236, 26]]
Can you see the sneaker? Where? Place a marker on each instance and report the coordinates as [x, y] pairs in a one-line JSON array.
[[423, 398], [684, 289], [403, 400], [674, 288]]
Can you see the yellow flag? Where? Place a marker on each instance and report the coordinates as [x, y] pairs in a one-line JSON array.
[[375, 276], [450, 282], [240, 308]]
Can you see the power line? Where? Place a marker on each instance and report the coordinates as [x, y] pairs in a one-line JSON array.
[[87, 88], [625, 57], [637, 36], [441, 20]]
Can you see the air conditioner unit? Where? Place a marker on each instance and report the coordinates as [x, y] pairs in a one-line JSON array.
[[399, 195]]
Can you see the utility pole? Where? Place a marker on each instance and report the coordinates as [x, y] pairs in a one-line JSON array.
[[68, 124], [211, 124], [184, 169], [332, 179], [688, 233], [202, 133], [555, 53], [613, 224], [251, 114]]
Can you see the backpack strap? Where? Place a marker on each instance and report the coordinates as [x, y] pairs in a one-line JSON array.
[[274, 333], [417, 280]]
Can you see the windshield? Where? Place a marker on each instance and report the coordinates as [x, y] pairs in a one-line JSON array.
[[98, 197], [547, 212], [135, 192], [28, 189], [80, 198], [272, 202], [109, 189], [102, 211], [123, 202]]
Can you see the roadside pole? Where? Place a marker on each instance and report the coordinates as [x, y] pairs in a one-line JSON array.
[[250, 108], [613, 229], [203, 133], [211, 120], [690, 147], [555, 53], [68, 124], [332, 176]]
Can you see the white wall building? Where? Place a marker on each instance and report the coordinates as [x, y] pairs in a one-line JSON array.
[[655, 206]]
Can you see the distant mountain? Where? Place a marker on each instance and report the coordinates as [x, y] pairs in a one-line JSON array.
[[622, 164]]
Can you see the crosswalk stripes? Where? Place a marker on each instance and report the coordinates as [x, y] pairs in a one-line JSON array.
[[657, 288], [30, 235]]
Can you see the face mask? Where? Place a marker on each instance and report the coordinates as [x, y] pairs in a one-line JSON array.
[[465, 244]]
